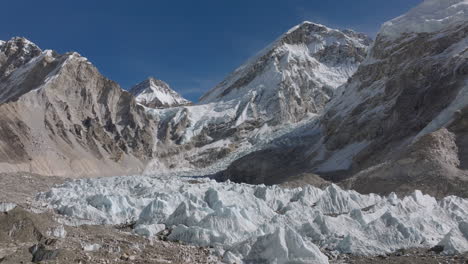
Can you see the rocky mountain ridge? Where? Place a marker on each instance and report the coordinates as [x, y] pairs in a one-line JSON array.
[[398, 123], [60, 116]]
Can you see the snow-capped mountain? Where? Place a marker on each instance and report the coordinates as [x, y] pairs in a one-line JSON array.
[[155, 93], [295, 75], [400, 121], [287, 83], [60, 116]]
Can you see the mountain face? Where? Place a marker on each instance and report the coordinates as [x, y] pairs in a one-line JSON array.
[[155, 93], [399, 122], [60, 116], [295, 75], [285, 84]]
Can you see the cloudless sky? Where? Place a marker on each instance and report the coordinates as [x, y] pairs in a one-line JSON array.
[[191, 44]]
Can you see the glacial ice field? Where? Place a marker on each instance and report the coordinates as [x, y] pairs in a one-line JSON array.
[[260, 224]]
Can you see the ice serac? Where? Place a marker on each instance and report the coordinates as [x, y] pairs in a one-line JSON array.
[[60, 116], [260, 224], [399, 123], [155, 93], [295, 75]]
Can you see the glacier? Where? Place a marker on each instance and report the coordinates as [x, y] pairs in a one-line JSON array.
[[265, 224]]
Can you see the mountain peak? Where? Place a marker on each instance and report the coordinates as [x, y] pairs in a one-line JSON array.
[[16, 43], [338, 52], [155, 93], [16, 52], [309, 31], [307, 24]]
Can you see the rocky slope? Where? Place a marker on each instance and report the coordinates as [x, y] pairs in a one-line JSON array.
[[399, 123], [60, 116], [155, 93]]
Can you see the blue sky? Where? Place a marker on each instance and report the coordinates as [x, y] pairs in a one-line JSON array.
[[190, 44]]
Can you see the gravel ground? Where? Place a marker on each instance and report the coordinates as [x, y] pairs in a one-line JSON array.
[[408, 256]]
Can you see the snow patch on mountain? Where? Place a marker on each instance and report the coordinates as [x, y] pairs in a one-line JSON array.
[[342, 159], [448, 114], [430, 16], [155, 93], [269, 224]]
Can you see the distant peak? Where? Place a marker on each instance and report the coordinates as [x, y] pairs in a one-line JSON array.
[[308, 25], [312, 23], [155, 93], [150, 79], [152, 82]]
